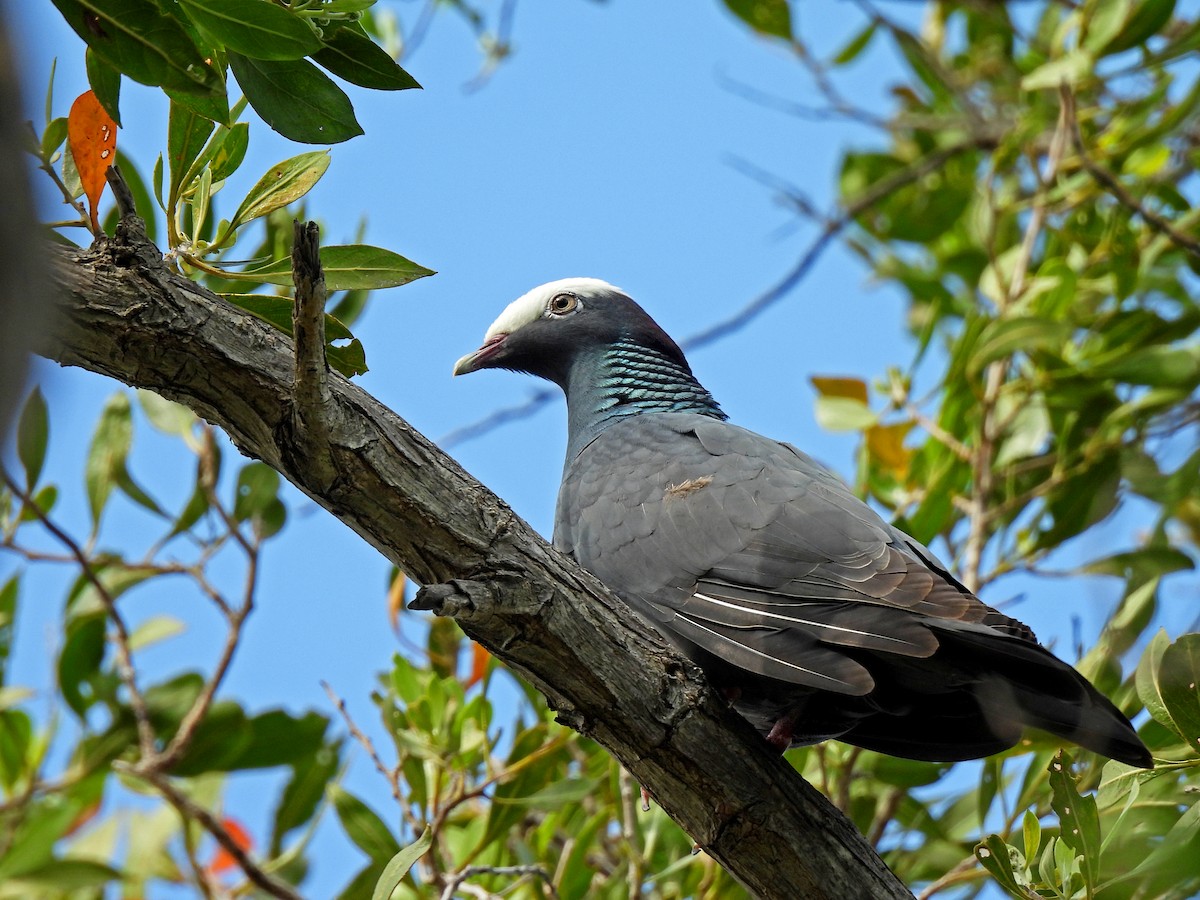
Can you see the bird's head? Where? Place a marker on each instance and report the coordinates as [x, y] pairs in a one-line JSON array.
[[546, 330]]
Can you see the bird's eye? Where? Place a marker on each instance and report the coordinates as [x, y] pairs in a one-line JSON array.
[[561, 304]]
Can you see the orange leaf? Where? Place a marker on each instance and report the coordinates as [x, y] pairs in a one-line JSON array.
[[829, 386], [92, 137], [479, 661], [395, 600], [223, 860]]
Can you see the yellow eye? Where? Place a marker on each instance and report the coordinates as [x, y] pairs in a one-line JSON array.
[[561, 304]]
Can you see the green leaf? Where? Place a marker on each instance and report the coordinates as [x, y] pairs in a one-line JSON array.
[[33, 434], [257, 28], [1001, 338], [844, 414], [1146, 680], [16, 735], [1070, 69], [363, 826], [1141, 564], [1170, 869], [770, 17], [1031, 834], [398, 865], [137, 39], [166, 415], [213, 106], [283, 183], [53, 136], [1001, 862], [1178, 680], [79, 662], [1162, 366], [8, 614], [257, 488], [187, 134], [1078, 818], [296, 99], [155, 630], [347, 267], [1105, 23], [303, 792], [106, 456], [105, 82], [856, 46], [63, 875], [229, 155], [1148, 17], [351, 55]]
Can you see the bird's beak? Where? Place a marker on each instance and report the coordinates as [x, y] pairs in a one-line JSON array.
[[473, 362]]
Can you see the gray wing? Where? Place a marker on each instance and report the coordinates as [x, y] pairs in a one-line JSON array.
[[749, 550]]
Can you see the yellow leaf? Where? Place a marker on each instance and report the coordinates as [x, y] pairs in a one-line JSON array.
[[395, 599], [831, 386], [885, 443]]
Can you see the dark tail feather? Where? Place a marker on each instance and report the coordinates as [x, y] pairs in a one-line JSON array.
[[1027, 685]]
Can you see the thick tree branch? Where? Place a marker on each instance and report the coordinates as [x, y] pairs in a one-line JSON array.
[[125, 315]]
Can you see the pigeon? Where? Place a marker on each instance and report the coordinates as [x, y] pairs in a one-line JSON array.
[[811, 614]]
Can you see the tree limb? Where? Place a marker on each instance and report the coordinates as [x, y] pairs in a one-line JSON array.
[[123, 314]]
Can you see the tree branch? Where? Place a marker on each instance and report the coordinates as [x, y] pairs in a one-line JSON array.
[[123, 314]]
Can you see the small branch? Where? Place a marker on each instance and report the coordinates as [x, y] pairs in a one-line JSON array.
[[187, 728], [966, 870], [392, 775], [982, 459], [122, 195], [44, 164], [124, 656], [190, 810], [1118, 190], [311, 389], [453, 881]]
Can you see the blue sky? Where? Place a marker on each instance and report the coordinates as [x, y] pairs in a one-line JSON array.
[[602, 148]]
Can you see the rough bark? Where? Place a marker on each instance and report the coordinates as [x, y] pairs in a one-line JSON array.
[[125, 315]]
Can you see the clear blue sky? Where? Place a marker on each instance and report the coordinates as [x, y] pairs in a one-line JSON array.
[[600, 148]]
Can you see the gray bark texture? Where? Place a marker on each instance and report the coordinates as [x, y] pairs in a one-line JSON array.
[[125, 315]]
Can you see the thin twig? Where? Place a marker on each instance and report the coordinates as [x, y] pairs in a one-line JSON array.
[[1118, 190], [122, 195], [43, 164], [235, 618], [125, 668], [454, 881], [964, 870], [979, 516], [194, 812], [392, 775]]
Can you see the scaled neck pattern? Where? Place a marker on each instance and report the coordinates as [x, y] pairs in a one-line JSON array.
[[628, 379]]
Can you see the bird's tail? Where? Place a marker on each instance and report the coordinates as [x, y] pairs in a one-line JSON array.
[[1024, 685]]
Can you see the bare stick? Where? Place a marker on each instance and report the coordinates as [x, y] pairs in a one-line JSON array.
[[124, 656], [190, 810], [454, 881], [311, 390], [122, 195], [1118, 190], [392, 775]]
